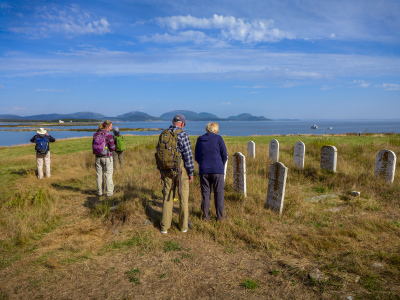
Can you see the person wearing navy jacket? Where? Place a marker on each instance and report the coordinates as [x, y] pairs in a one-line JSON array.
[[43, 157], [211, 155]]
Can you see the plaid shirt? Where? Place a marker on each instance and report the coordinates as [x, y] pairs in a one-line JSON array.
[[184, 148]]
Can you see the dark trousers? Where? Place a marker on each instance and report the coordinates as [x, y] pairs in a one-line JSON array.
[[217, 183]]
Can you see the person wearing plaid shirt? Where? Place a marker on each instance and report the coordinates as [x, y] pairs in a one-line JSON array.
[[181, 182]]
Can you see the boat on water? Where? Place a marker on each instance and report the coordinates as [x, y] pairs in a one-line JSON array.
[[329, 128], [314, 126]]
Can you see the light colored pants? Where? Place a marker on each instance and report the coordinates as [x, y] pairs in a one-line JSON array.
[[170, 185], [39, 162], [104, 168]]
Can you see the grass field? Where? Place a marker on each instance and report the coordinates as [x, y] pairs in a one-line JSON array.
[[59, 241]]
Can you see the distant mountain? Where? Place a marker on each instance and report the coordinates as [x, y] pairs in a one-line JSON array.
[[49, 117], [189, 115], [10, 117], [136, 116], [208, 116], [248, 117]]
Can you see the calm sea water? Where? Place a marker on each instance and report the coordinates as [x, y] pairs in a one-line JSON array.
[[229, 128]]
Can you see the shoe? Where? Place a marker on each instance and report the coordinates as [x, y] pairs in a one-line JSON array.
[[184, 231], [163, 232]]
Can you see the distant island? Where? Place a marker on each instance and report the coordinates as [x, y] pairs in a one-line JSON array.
[[133, 116]]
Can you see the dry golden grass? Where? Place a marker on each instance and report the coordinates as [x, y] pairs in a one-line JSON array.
[[58, 240]]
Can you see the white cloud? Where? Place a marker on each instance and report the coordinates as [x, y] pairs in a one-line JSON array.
[[361, 83], [391, 86], [226, 103], [258, 66], [70, 20], [228, 28]]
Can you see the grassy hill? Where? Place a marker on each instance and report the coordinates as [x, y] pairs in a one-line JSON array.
[[59, 241]]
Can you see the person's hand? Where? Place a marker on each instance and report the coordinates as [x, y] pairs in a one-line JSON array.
[[191, 178], [47, 134]]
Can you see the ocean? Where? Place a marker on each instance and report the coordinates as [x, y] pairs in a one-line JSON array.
[[227, 128]]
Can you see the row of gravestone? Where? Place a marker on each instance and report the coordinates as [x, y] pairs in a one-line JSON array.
[[385, 167]]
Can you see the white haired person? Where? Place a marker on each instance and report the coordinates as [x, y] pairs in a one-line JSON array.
[[211, 155], [42, 140]]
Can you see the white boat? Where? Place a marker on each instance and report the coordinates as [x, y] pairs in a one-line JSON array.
[[329, 128], [314, 126]]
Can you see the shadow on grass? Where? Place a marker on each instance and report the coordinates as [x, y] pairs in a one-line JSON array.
[[64, 187]]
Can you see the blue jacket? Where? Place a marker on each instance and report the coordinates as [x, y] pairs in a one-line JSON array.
[[210, 154], [49, 137]]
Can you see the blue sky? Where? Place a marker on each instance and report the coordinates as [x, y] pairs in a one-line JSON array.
[[307, 59]]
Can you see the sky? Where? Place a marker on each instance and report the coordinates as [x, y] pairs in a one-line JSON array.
[[308, 59]]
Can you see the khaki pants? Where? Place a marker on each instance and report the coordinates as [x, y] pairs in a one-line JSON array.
[[104, 168], [170, 184], [39, 163]]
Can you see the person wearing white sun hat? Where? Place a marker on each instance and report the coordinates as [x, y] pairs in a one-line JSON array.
[[42, 140]]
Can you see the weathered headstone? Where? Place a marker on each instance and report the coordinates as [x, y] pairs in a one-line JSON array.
[[251, 149], [276, 186], [225, 167], [298, 158], [329, 158], [274, 150], [385, 165], [239, 173]]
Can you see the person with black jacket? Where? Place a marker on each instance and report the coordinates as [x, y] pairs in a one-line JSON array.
[[42, 140]]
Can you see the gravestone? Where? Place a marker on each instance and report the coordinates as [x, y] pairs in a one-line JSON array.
[[251, 149], [274, 150], [385, 165], [299, 153], [239, 173], [225, 167], [329, 158], [276, 186]]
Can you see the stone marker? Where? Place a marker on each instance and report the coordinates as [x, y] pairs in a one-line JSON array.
[[299, 152], [276, 186], [239, 173], [274, 150], [225, 167], [329, 158], [251, 149], [385, 165]]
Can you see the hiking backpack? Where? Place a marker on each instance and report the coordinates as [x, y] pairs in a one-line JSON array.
[[42, 145], [100, 145], [167, 156], [119, 143]]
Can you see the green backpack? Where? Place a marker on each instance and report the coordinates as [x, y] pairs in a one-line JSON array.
[[167, 156], [119, 143]]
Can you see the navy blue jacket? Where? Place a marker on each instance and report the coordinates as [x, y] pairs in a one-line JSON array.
[[210, 154], [49, 137]]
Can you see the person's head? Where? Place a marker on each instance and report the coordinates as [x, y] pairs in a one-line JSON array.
[[107, 125], [116, 130], [179, 120], [41, 131], [212, 127]]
